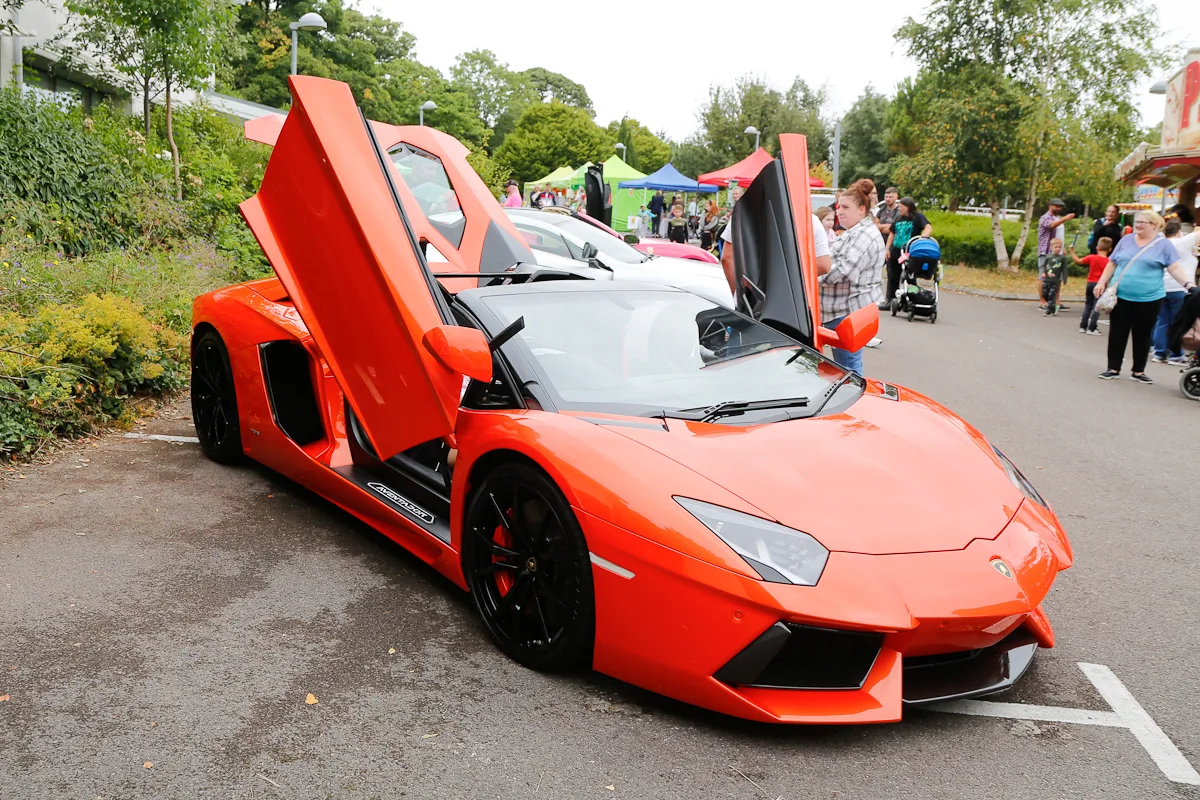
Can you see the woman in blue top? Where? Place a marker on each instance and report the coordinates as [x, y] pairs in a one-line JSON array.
[[1139, 261]]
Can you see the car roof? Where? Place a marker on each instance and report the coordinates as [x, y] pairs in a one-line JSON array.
[[546, 217]]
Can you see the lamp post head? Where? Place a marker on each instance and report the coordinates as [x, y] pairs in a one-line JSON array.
[[751, 129], [429, 105], [312, 21], [620, 147], [1159, 87]]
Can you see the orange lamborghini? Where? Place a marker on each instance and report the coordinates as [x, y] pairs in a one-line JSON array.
[[625, 477]]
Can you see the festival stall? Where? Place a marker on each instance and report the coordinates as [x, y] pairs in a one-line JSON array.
[[746, 170], [1174, 164], [625, 203]]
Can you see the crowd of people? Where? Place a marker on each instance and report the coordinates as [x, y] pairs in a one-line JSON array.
[[1147, 271], [1140, 277]]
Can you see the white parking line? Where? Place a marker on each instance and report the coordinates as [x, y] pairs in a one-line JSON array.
[[1157, 744], [161, 437], [1127, 713], [1076, 716]]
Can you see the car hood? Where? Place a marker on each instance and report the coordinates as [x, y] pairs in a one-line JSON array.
[[706, 280], [885, 476]]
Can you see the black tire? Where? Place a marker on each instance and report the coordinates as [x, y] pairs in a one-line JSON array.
[[895, 306], [933, 318], [528, 569], [912, 312], [1189, 383], [214, 399]]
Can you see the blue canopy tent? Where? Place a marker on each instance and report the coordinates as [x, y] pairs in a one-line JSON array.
[[668, 179]]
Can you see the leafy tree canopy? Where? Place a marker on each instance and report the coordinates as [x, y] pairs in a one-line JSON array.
[[550, 135], [644, 150]]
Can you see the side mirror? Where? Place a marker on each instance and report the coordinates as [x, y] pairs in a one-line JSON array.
[[854, 331], [631, 238], [589, 251], [463, 350]]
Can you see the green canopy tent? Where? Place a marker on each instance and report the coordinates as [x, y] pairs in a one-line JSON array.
[[576, 179], [625, 202], [555, 179]]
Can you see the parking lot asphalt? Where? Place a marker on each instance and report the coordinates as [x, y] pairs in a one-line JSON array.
[[163, 620]]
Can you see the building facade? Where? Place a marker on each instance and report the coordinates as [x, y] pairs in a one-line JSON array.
[[1175, 163]]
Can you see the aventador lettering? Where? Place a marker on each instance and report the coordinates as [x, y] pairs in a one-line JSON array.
[[404, 503]]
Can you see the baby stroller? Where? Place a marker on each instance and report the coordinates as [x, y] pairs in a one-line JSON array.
[[1184, 334], [921, 262]]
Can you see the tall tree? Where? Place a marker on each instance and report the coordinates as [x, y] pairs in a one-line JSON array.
[[549, 136], [865, 135], [1057, 55], [489, 83], [729, 110], [645, 150], [547, 86]]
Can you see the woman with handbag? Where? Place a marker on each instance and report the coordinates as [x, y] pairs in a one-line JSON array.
[[1137, 292]]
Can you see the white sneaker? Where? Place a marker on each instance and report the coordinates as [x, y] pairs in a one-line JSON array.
[[1095, 333], [875, 342]]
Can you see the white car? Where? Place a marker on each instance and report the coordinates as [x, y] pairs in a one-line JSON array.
[[554, 237]]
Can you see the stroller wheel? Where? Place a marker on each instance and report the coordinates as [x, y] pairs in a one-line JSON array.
[[895, 306], [1189, 383], [933, 318], [912, 312]]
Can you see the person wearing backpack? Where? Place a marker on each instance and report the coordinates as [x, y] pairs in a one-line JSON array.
[[1136, 269]]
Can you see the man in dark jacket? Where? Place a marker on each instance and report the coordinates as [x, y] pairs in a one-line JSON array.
[[656, 206]]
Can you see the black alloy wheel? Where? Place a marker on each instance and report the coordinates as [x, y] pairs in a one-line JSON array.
[[214, 400], [1189, 383], [527, 565]]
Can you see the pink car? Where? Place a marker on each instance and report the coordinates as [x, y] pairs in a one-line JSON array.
[[655, 248]]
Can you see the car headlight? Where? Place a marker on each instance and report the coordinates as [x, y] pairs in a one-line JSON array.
[[777, 553], [1018, 479]]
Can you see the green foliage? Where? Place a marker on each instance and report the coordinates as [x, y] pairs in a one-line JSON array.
[[729, 110], [68, 180], [68, 367], [549, 135], [967, 240], [494, 174], [865, 134], [643, 149]]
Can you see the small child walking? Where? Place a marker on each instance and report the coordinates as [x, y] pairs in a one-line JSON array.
[[1054, 276], [1090, 321]]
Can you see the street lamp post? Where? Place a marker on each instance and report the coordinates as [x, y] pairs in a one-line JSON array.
[[751, 129], [620, 147], [312, 21], [428, 105]]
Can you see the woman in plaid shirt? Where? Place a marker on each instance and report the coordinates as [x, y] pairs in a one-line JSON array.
[[855, 276]]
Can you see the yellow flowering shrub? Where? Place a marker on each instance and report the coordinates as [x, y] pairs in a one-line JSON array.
[[70, 366]]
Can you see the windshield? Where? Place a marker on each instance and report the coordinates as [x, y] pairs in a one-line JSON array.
[[647, 352], [608, 245]]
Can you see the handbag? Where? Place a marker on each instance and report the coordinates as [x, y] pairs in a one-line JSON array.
[[1108, 300]]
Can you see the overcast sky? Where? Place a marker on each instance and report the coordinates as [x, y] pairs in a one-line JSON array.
[[622, 52]]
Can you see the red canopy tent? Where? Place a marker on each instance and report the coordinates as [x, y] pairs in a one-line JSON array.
[[746, 171]]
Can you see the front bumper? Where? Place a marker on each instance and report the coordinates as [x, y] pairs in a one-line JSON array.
[[927, 626]]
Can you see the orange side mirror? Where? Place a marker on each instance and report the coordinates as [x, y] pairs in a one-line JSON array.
[[464, 350], [855, 330]]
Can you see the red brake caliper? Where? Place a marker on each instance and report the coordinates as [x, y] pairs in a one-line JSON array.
[[504, 578]]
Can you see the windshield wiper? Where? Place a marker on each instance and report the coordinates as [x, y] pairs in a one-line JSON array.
[[831, 391], [728, 408]]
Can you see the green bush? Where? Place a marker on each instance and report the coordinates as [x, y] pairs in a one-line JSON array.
[[70, 366], [967, 240]]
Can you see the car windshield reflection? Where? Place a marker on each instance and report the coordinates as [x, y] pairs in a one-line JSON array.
[[651, 352]]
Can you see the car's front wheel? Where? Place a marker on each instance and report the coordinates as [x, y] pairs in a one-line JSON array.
[[527, 565], [214, 399]]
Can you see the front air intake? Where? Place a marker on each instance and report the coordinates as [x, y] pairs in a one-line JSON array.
[[789, 656]]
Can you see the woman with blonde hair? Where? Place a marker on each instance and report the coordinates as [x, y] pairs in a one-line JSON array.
[[1136, 268]]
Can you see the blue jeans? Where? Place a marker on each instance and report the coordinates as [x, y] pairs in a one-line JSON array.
[[1166, 315], [846, 359]]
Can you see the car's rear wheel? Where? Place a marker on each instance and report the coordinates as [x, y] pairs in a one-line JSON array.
[[527, 565], [214, 399]]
